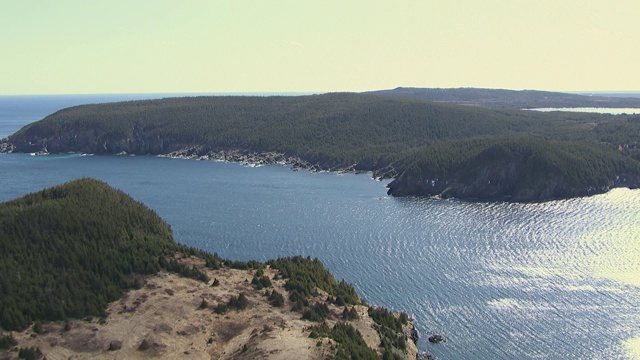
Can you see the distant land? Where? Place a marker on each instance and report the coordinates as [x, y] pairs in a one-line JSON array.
[[429, 141], [88, 272], [627, 94], [512, 99]]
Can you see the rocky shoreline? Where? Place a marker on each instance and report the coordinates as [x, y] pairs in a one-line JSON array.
[[255, 159], [250, 158], [6, 147], [403, 184], [400, 186]]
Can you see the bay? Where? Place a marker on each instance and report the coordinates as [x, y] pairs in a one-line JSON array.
[[555, 280]]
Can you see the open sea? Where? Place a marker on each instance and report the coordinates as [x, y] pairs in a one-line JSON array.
[[557, 280]]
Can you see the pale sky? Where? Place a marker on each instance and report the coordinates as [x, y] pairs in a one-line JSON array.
[[162, 46]]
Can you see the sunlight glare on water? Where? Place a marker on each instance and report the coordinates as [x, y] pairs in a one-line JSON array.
[[633, 348], [614, 245]]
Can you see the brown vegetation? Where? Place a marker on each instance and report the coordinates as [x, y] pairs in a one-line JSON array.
[[164, 319]]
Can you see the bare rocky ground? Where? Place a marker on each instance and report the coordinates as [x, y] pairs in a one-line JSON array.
[[163, 319]]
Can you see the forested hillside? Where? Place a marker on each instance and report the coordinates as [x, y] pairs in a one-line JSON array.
[[523, 99], [67, 251], [342, 132], [514, 169]]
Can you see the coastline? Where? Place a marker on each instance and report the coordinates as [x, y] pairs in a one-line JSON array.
[[452, 190], [256, 159], [399, 186], [502, 172]]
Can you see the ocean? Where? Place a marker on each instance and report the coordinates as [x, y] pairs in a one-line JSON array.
[[556, 280]]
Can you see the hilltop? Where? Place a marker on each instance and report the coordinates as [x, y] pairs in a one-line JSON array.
[[87, 271], [393, 137], [511, 99]]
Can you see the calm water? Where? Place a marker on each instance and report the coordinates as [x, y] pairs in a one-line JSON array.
[[559, 280]]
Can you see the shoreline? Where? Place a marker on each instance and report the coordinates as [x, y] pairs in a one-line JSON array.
[[257, 159], [398, 186]]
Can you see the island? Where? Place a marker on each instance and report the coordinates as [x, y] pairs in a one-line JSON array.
[[428, 148], [87, 271]]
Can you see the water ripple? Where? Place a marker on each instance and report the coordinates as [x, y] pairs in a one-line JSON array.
[[554, 280]]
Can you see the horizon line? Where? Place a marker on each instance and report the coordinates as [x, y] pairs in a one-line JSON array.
[[303, 93]]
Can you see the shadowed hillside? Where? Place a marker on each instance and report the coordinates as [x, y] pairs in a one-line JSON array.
[[514, 169]]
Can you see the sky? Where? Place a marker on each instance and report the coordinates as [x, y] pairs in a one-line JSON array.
[[161, 46]]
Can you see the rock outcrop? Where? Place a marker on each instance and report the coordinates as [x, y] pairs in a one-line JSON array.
[[437, 338], [5, 146]]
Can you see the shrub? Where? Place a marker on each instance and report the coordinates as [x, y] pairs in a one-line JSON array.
[[144, 345], [7, 341], [221, 309], [238, 303], [37, 327], [261, 282], [31, 353], [204, 304], [276, 299], [318, 312], [350, 314]]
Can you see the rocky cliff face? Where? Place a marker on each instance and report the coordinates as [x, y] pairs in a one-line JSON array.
[[92, 141], [149, 143]]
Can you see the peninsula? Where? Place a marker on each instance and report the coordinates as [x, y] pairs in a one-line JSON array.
[[428, 148], [88, 272]]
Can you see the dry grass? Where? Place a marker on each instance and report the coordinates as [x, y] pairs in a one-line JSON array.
[[165, 314]]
